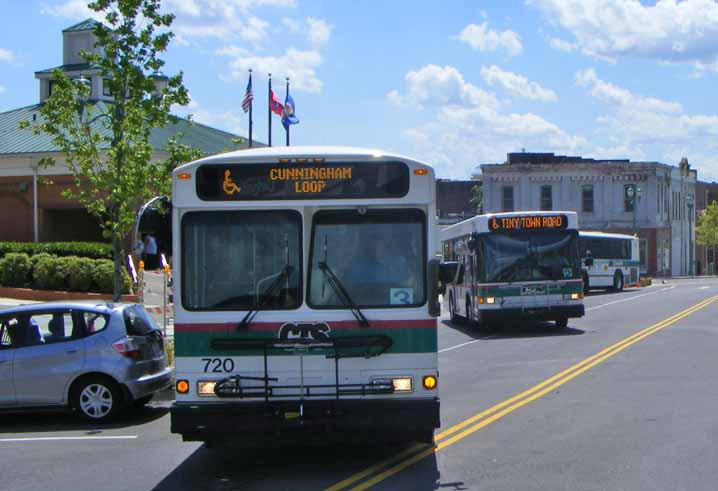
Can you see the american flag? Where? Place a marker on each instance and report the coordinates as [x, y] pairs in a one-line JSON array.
[[247, 101]]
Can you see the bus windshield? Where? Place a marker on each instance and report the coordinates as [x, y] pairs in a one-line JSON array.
[[231, 260], [531, 256], [377, 257]]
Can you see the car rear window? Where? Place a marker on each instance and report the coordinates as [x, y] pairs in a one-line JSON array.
[[138, 322]]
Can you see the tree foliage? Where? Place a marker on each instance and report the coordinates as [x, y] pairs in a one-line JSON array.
[[707, 226], [106, 144], [477, 198]]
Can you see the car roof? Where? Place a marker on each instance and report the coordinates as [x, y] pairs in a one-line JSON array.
[[103, 307]]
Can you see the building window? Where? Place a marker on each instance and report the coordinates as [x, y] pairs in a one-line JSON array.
[[507, 198], [628, 201], [546, 198], [587, 198], [106, 87]]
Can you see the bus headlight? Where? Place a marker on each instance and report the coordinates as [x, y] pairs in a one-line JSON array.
[[576, 296], [206, 387], [400, 384], [490, 300]]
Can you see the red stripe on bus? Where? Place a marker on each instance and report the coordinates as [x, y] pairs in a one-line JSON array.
[[273, 326]]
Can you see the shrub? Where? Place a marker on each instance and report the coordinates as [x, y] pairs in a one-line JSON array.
[[39, 257], [95, 250], [170, 351], [15, 270], [79, 273], [103, 276], [50, 273]]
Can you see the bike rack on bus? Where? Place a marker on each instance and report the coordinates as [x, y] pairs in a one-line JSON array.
[[367, 346]]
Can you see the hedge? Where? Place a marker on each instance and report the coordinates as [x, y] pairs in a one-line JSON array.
[[94, 250], [47, 272]]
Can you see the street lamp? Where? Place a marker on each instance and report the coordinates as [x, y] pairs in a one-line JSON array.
[[689, 202], [633, 193]]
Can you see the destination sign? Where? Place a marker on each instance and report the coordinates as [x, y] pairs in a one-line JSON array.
[[528, 222], [350, 180]]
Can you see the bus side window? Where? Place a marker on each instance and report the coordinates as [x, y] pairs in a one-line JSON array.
[[479, 263], [460, 274]]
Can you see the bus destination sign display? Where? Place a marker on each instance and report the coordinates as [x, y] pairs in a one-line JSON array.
[[349, 180], [528, 222]]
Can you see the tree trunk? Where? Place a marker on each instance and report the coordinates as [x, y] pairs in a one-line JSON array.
[[117, 255]]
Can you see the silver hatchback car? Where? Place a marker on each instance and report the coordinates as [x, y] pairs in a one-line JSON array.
[[93, 358]]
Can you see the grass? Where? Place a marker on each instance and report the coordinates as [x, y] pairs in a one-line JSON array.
[[170, 351]]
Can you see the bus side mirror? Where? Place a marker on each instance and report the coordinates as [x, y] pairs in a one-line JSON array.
[[433, 297], [588, 261]]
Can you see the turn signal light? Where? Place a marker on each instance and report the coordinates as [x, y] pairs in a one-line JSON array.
[[182, 386], [429, 382], [184, 175], [420, 172]]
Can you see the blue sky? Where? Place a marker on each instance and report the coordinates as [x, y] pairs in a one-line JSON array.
[[454, 83]]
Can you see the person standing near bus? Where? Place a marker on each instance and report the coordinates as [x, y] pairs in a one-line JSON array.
[[150, 252]]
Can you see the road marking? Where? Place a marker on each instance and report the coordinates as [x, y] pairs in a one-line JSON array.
[[629, 299], [459, 345], [63, 438], [703, 287], [467, 427]]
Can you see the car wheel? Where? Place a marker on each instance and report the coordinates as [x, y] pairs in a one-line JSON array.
[[618, 282], [141, 402], [562, 323], [97, 398]]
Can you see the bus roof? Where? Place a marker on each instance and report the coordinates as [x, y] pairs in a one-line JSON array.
[[480, 223], [605, 235], [271, 154]]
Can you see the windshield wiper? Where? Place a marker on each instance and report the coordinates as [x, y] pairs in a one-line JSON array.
[[343, 294], [266, 296]]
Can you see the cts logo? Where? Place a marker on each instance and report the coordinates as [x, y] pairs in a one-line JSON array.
[[316, 331]]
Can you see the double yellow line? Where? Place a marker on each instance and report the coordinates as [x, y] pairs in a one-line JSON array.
[[387, 468]]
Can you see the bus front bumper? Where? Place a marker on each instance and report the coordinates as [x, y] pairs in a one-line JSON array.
[[537, 313], [255, 422]]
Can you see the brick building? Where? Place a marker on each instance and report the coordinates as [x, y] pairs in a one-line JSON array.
[[597, 190]]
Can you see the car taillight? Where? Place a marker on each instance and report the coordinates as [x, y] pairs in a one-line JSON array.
[[128, 348]]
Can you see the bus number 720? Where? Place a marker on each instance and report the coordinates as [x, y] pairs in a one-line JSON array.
[[218, 365]]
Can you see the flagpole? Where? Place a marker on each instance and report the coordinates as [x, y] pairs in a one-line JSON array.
[[250, 109], [269, 109], [285, 98]]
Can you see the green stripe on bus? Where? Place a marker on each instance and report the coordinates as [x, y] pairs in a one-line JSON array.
[[404, 341]]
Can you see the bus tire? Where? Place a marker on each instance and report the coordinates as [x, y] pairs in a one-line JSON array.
[[562, 322], [617, 282], [455, 318], [585, 283], [469, 314]]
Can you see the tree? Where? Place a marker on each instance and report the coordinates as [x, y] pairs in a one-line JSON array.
[[106, 145], [477, 198], [707, 226]]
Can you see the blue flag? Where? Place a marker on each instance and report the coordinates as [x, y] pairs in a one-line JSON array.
[[288, 116]]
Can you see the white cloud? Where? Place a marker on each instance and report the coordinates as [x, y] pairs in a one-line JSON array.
[[481, 38], [562, 45], [299, 66], [647, 126], [517, 85], [2, 89], [225, 120], [7, 55], [318, 32], [440, 86], [467, 126], [70, 9], [670, 31]]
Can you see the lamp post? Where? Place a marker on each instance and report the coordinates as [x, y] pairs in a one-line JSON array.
[[633, 193], [689, 202]]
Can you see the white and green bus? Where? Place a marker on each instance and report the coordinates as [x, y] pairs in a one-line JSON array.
[[514, 266], [306, 296], [610, 260]]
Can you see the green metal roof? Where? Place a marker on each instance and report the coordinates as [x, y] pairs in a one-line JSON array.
[[14, 140], [85, 25], [75, 67]]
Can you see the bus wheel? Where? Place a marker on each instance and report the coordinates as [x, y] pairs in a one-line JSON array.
[[469, 313], [562, 322], [455, 318], [618, 282], [585, 283]]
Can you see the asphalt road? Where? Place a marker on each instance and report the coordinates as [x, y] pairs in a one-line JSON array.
[[633, 407]]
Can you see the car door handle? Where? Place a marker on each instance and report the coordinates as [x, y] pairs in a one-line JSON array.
[[71, 351]]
